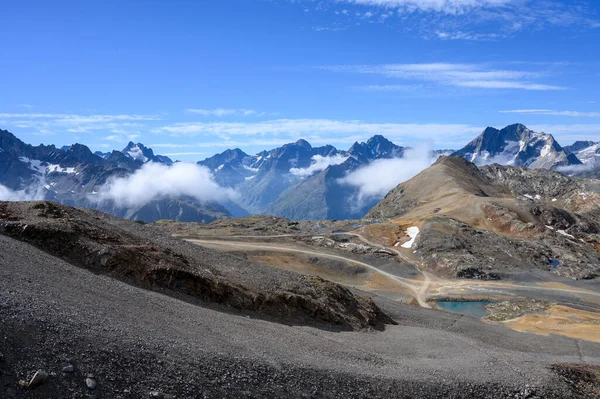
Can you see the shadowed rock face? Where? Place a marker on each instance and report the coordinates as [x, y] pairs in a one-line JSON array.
[[143, 256]]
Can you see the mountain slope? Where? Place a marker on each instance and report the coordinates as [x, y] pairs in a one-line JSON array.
[[498, 218], [232, 167], [588, 152], [323, 196], [516, 145], [142, 256], [274, 173]]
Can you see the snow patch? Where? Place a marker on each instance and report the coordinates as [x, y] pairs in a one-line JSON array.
[[412, 232], [564, 233], [136, 153], [58, 169], [34, 164], [248, 168]]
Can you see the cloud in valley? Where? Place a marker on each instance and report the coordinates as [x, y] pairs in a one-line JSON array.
[[155, 181], [32, 193], [319, 163], [380, 176]]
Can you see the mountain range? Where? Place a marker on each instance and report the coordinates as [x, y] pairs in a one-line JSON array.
[[296, 180]]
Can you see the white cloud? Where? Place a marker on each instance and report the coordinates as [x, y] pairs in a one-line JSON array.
[[224, 112], [123, 124], [382, 175], [443, 6], [476, 19], [499, 84], [389, 88], [157, 181], [76, 119], [575, 169], [326, 128], [31, 193], [553, 112], [460, 35], [451, 74], [319, 163]]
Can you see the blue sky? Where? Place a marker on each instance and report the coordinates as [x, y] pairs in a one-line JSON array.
[[192, 78]]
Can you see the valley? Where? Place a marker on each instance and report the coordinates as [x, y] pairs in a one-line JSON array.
[[401, 280]]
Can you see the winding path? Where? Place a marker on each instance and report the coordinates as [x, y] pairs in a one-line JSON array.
[[420, 288]]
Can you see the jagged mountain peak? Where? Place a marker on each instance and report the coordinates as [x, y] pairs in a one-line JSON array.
[[516, 145], [139, 152], [374, 148], [303, 143], [378, 139], [580, 145]]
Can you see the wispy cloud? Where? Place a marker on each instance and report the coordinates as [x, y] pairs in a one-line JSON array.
[[328, 130], [466, 19], [220, 112], [553, 113], [75, 118], [124, 126], [444, 6], [389, 88], [451, 74], [122, 137]]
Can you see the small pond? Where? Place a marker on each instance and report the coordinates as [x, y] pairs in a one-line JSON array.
[[468, 308]]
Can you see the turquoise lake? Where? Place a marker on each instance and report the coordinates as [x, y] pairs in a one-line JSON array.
[[468, 308]]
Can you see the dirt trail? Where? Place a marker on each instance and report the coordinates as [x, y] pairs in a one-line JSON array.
[[413, 285], [425, 283], [420, 287]]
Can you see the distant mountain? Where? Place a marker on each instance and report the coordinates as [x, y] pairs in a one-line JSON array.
[[322, 196], [588, 152], [139, 152], [232, 167], [298, 180], [270, 173], [516, 145], [73, 174], [101, 154]]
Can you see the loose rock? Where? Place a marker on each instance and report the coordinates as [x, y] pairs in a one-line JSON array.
[[68, 368], [38, 378], [90, 383]]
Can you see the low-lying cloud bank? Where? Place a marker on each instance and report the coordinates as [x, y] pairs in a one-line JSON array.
[[575, 169], [319, 163], [33, 193], [380, 176], [154, 181]]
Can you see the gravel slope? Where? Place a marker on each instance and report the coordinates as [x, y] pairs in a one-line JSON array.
[[139, 343]]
